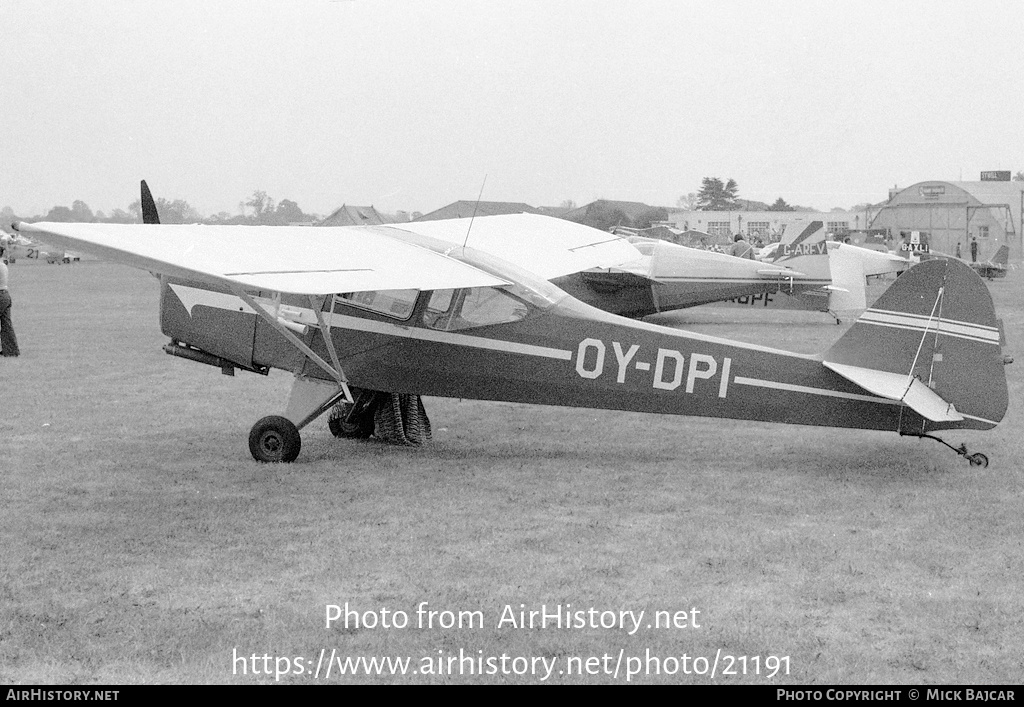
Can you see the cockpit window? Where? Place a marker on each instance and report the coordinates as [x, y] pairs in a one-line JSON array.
[[393, 303], [452, 310]]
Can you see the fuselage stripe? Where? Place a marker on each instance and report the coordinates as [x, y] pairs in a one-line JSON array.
[[775, 385], [446, 337], [918, 322], [945, 331]]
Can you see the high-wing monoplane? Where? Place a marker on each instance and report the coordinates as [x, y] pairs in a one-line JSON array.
[[996, 267], [989, 269], [668, 277], [18, 246], [359, 312], [851, 269]]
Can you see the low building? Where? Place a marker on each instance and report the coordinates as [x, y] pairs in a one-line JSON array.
[[765, 226], [355, 216], [468, 209]]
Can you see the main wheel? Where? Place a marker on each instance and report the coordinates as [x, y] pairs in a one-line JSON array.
[[274, 439], [360, 427]]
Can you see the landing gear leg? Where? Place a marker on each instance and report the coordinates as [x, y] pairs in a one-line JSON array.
[[354, 420], [276, 438], [976, 459]]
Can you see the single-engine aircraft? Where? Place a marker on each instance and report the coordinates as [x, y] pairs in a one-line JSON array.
[[20, 247], [357, 312], [996, 267], [989, 269], [668, 276], [852, 269]]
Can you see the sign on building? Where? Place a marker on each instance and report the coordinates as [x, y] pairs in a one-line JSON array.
[[999, 176]]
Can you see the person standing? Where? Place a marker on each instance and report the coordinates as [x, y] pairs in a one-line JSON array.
[[741, 249], [8, 341], [974, 249], [958, 250]]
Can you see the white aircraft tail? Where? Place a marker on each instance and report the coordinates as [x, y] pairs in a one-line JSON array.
[[806, 252]]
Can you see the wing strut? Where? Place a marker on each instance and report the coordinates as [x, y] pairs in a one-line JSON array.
[[336, 372], [317, 303]]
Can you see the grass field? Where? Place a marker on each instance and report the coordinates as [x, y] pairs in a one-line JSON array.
[[143, 544]]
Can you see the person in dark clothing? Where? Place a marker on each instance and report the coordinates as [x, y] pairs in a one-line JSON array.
[[8, 341], [741, 249], [974, 249]]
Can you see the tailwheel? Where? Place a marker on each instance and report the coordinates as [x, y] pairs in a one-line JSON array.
[[274, 439], [977, 459]]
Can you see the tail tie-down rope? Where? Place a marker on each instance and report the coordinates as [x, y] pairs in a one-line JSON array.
[[394, 418], [401, 419]]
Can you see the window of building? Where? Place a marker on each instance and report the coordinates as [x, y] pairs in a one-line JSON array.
[[393, 303], [759, 228], [451, 310], [719, 228], [983, 231], [839, 228]]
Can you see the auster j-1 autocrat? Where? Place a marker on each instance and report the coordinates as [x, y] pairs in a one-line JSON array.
[[355, 312]]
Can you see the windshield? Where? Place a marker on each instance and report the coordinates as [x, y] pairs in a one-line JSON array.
[[525, 285]]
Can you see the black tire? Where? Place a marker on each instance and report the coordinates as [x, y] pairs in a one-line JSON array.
[[362, 428], [274, 439], [361, 425], [978, 459]]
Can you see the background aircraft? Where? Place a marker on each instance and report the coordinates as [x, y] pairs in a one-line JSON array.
[[990, 269], [853, 270], [374, 314], [17, 246], [996, 267], [667, 276]]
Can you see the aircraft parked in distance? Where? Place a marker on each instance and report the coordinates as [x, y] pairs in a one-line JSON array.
[[990, 269], [996, 267], [20, 247]]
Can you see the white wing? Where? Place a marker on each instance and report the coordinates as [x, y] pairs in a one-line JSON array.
[[290, 259], [545, 246]]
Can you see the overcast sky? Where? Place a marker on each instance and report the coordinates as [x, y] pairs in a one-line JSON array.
[[408, 104]]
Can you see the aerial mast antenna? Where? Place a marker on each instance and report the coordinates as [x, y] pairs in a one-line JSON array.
[[475, 207]]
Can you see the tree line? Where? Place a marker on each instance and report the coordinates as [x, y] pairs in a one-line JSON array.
[[716, 195], [259, 209]]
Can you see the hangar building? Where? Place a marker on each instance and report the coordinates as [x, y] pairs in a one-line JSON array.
[[955, 212]]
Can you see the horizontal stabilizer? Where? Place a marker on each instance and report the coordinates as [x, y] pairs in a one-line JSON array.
[[779, 274], [894, 386]]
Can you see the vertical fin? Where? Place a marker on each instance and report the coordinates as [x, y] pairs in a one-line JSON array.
[[1002, 256], [935, 325], [806, 252]]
